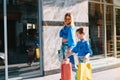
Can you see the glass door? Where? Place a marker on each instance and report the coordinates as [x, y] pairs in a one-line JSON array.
[[96, 24], [109, 31], [117, 10], [2, 53], [23, 39]]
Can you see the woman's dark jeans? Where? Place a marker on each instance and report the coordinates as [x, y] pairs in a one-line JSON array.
[[64, 48]]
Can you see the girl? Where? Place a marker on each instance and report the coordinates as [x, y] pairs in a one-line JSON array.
[[82, 48], [83, 51], [67, 33]]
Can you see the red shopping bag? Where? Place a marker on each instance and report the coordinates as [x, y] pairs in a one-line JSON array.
[[66, 70]]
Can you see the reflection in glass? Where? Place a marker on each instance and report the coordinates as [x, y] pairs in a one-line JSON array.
[[22, 31], [96, 28], [118, 31], [2, 54], [98, 0], [109, 30], [109, 1]]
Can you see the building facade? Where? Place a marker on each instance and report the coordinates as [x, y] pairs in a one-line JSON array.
[[31, 20]]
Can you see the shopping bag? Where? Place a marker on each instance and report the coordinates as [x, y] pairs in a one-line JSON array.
[[84, 71], [60, 55], [37, 53], [66, 70]]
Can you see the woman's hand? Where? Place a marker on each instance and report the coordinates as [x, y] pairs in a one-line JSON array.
[[64, 40], [69, 52]]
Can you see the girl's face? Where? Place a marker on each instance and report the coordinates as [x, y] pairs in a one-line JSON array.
[[79, 36], [67, 20]]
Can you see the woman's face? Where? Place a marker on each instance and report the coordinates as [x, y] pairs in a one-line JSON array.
[[67, 20], [79, 36]]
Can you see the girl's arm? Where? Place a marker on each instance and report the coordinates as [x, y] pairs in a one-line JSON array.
[[69, 54], [88, 51], [74, 50]]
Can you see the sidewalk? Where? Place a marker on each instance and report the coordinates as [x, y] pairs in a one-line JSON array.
[[111, 74], [100, 70]]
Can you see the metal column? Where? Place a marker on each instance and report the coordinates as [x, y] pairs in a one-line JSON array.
[[114, 19], [5, 39], [40, 36], [105, 36]]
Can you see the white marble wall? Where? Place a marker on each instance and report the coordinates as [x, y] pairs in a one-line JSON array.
[[54, 10], [52, 43]]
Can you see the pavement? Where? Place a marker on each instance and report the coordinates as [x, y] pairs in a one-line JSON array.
[[102, 69], [111, 74]]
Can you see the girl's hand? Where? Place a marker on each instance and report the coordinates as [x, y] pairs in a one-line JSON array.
[[87, 56]]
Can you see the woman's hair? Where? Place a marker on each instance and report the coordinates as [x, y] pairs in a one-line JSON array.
[[80, 31], [71, 16]]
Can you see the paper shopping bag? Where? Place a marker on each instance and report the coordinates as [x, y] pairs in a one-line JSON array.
[[66, 70], [84, 71], [37, 53]]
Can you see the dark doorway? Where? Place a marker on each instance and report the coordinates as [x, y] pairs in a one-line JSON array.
[[1, 36], [11, 34]]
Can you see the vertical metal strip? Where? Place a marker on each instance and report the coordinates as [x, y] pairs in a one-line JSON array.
[[5, 39], [41, 36], [114, 19], [105, 37]]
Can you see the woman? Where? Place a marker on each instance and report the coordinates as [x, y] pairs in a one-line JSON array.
[[67, 33]]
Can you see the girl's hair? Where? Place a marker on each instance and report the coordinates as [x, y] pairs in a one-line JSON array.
[[80, 31], [71, 16]]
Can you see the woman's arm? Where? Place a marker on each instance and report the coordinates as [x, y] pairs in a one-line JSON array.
[[60, 33], [72, 50], [71, 37]]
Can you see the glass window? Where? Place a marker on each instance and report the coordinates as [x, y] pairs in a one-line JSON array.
[[1, 30], [2, 54], [109, 30], [1, 1], [109, 1], [118, 31], [23, 38], [98, 0], [96, 28]]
